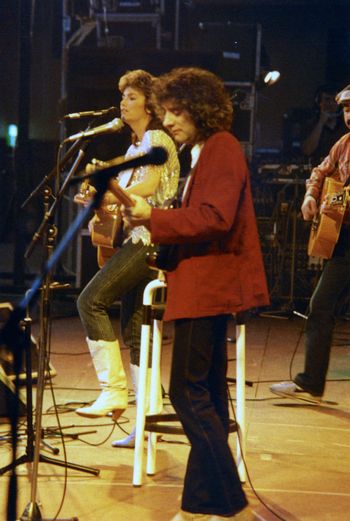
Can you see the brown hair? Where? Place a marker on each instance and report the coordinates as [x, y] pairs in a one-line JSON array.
[[143, 81], [201, 93]]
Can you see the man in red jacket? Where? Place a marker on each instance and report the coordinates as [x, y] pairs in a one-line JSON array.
[[217, 270]]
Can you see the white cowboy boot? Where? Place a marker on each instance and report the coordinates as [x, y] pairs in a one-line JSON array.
[[110, 372], [129, 441]]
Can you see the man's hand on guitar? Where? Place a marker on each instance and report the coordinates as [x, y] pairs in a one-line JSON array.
[[330, 207], [138, 214], [309, 208]]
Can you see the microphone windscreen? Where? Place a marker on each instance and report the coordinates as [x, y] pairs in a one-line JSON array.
[[157, 155], [112, 110], [116, 124]]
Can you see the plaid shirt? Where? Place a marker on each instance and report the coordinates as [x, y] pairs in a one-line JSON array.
[[335, 165]]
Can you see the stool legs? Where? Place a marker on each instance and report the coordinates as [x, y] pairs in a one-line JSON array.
[[155, 380], [154, 391], [141, 405], [155, 384], [240, 399]]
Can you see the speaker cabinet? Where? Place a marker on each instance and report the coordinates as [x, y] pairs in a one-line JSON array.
[[6, 356]]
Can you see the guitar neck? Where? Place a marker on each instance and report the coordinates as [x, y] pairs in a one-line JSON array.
[[121, 194]]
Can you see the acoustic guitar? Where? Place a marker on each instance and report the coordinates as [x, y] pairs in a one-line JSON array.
[[325, 229], [106, 227]]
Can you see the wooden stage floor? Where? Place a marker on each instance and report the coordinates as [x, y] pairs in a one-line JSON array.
[[298, 456]]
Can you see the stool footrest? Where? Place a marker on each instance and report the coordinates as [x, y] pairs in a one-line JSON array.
[[152, 312], [157, 423], [158, 311]]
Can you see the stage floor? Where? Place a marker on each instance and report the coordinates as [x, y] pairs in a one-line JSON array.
[[298, 456]]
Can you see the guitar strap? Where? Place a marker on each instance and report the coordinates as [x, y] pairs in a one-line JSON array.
[[167, 254], [347, 182], [184, 189]]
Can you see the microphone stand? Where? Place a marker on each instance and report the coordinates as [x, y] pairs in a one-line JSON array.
[[70, 152], [287, 310], [12, 336], [48, 231]]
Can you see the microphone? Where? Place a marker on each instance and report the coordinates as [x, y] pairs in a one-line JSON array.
[[108, 128], [92, 113], [154, 156]]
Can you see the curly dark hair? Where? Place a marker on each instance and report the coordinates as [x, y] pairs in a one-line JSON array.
[[143, 81], [201, 93]]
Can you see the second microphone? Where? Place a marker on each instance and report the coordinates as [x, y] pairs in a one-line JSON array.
[[113, 126]]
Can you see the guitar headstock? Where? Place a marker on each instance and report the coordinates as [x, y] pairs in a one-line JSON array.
[[86, 192]]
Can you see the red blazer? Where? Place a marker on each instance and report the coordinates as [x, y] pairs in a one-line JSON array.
[[220, 268]]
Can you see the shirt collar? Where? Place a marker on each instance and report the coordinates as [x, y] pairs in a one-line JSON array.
[[195, 153]]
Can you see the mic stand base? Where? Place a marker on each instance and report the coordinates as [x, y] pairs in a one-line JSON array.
[[32, 513], [285, 313], [248, 383], [56, 432], [25, 458], [54, 450], [47, 445]]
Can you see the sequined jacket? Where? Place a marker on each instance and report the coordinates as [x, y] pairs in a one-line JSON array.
[[169, 176]]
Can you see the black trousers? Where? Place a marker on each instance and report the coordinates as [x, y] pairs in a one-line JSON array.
[[198, 392], [333, 288]]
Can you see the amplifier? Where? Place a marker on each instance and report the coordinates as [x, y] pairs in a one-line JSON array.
[[6, 356]]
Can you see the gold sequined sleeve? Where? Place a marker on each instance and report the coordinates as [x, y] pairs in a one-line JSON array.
[[169, 171]]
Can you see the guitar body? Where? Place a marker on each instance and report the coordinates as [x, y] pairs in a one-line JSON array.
[[325, 229], [106, 232], [106, 227], [104, 254]]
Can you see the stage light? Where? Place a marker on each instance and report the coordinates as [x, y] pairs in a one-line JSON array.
[[271, 77], [11, 136]]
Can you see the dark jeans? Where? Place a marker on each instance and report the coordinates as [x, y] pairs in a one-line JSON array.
[[123, 277], [332, 288], [198, 392]]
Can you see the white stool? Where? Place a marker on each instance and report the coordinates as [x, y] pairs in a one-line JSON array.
[[240, 399], [153, 316], [148, 321]]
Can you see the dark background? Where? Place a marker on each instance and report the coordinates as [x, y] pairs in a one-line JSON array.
[[308, 41]]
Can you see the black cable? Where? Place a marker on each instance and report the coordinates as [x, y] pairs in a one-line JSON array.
[[104, 440], [270, 509], [259, 498], [65, 482], [302, 330], [81, 353], [124, 431], [76, 388]]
